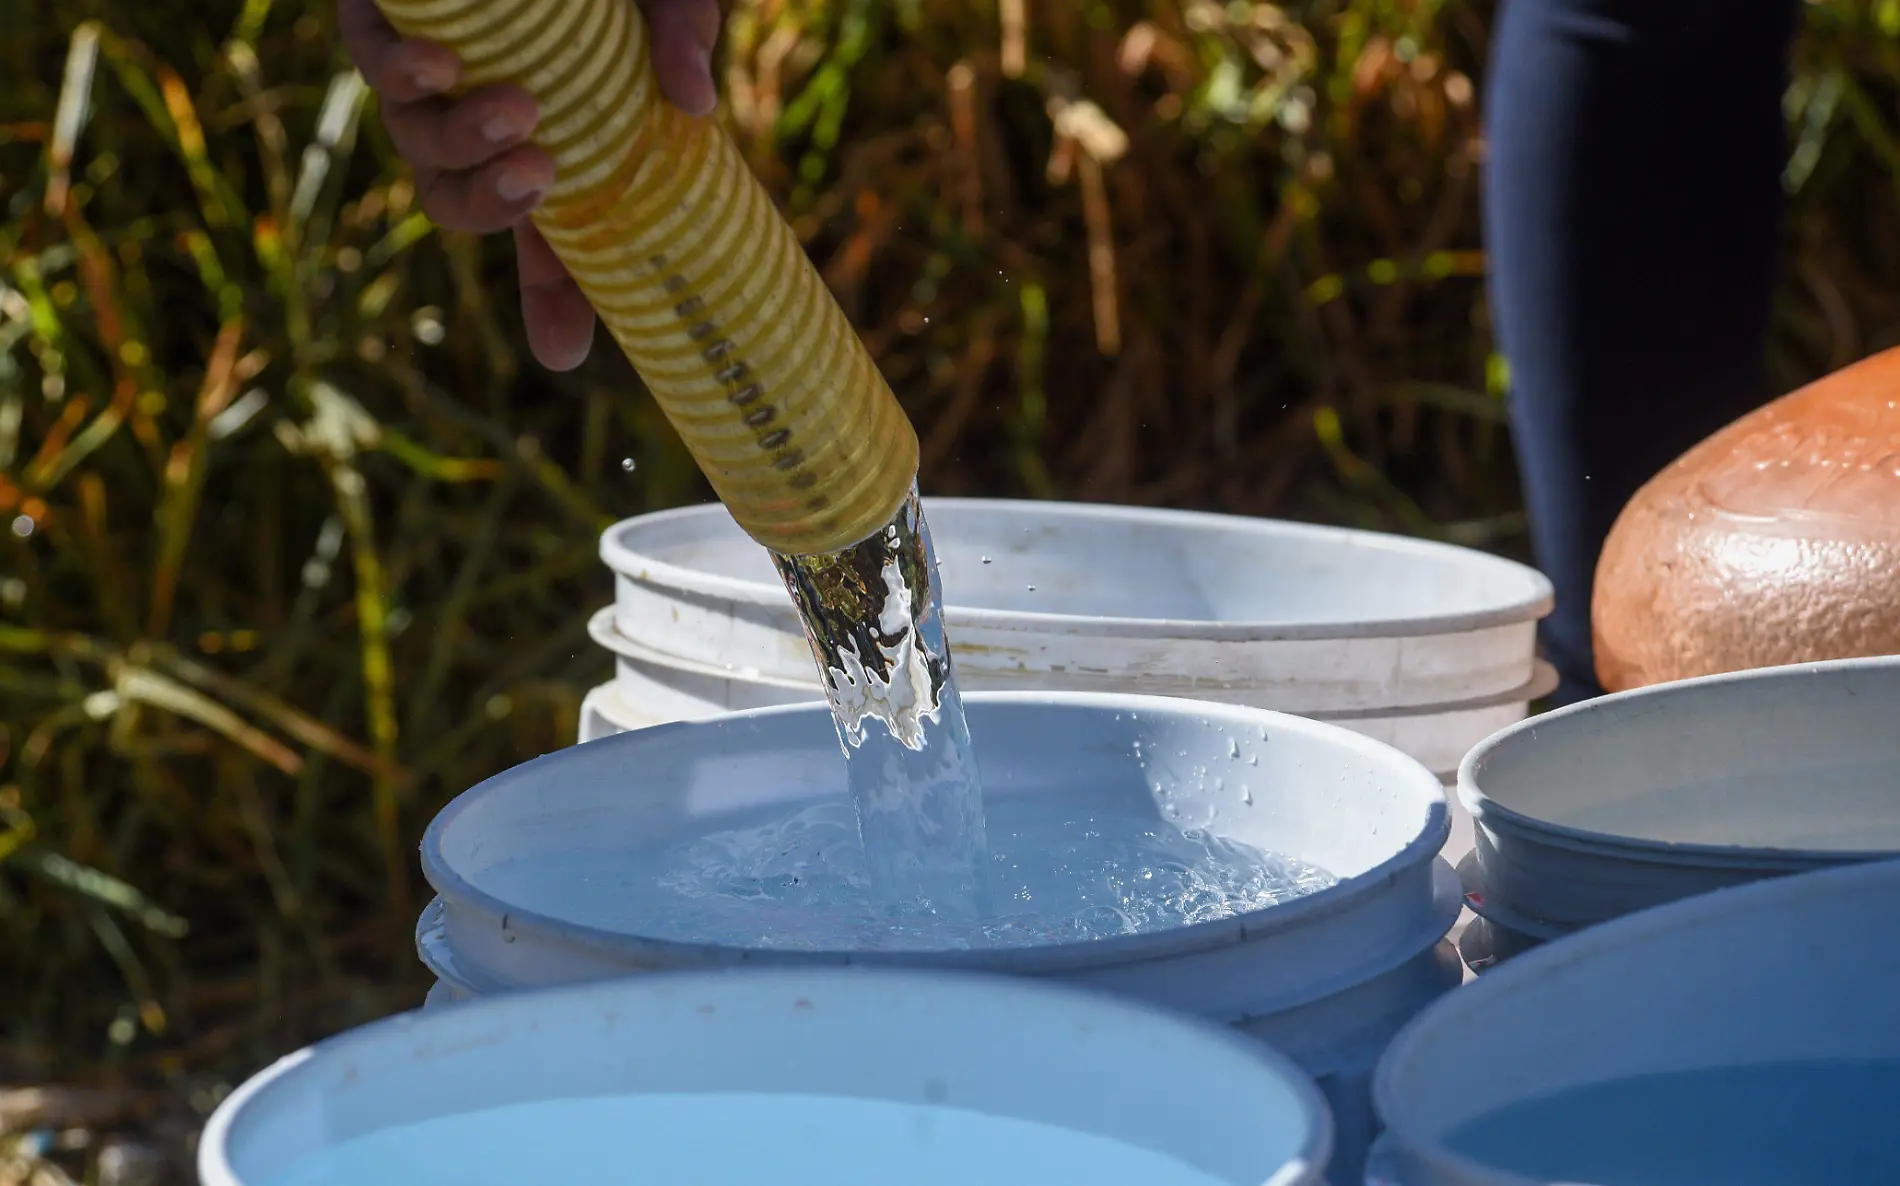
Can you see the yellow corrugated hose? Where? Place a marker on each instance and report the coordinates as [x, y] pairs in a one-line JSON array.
[[693, 271]]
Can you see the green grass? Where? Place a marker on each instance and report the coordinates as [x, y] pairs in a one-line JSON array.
[[312, 541]]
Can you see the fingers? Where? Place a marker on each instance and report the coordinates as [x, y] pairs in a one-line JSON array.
[[405, 71], [560, 321], [684, 33], [440, 133], [475, 169], [398, 69], [490, 197]]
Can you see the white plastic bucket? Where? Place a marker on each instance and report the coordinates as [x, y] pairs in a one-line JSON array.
[[1800, 969], [650, 689], [1645, 797], [1328, 978], [1070, 1060], [1054, 596]]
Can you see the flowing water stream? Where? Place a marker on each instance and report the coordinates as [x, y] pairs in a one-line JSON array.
[[921, 872]]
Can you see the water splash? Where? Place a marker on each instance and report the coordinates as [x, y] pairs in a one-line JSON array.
[[873, 614]]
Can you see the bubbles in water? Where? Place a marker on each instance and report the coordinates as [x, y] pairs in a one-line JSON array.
[[627, 464], [796, 879]]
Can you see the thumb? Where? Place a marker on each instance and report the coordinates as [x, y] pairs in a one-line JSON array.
[[684, 33]]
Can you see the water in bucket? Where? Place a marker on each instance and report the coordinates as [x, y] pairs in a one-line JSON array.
[[735, 1139], [799, 880], [1820, 1123]]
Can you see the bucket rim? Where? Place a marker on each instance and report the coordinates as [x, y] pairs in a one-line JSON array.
[[604, 629], [1533, 598], [1433, 932], [1389, 962], [1498, 911], [1559, 959], [1316, 1143], [1345, 895], [1508, 821], [435, 955]]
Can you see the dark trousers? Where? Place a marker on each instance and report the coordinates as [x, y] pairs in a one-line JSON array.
[[1632, 200]]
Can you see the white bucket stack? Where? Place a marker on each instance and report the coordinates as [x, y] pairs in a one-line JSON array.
[[810, 1077], [1748, 1037], [1326, 979], [1425, 646], [1649, 796]]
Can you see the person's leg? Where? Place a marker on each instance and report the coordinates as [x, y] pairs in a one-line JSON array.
[[1632, 201]]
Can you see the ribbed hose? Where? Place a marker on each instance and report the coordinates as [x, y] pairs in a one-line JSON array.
[[692, 270]]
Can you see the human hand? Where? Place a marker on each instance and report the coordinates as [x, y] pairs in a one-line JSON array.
[[475, 167]]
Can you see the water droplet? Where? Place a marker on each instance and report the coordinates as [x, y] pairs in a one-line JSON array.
[[1246, 795], [23, 525], [1233, 748], [626, 464], [1032, 588], [986, 559]]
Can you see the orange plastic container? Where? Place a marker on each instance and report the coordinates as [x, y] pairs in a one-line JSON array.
[[694, 272]]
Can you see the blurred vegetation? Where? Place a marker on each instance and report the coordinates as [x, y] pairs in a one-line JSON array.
[[296, 543]]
